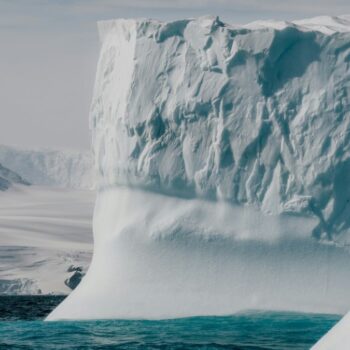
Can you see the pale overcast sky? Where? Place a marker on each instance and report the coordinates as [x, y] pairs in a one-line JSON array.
[[49, 50]]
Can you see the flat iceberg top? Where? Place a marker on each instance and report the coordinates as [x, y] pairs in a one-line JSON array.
[[65, 169], [323, 24], [255, 115]]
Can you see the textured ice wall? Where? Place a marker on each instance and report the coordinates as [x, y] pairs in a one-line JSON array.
[[255, 115], [223, 157], [9, 177]]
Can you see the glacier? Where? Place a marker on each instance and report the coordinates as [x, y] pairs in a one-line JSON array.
[[53, 168], [45, 228], [223, 162]]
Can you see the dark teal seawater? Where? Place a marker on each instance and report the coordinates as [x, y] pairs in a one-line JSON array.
[[250, 330]]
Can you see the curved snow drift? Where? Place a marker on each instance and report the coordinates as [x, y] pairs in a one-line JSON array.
[[233, 145]]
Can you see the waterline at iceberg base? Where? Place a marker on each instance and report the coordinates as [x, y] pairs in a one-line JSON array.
[[223, 160]]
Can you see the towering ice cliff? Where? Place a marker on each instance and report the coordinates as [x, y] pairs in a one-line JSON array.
[[251, 116], [224, 167]]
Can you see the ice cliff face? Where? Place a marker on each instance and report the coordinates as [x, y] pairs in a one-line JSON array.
[[256, 115], [68, 169], [9, 177]]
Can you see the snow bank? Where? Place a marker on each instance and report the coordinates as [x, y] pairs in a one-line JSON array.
[[67, 169], [233, 147]]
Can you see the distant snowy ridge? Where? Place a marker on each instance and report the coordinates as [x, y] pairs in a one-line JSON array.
[[67, 169]]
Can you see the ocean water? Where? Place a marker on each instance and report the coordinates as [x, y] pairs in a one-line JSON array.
[[22, 327]]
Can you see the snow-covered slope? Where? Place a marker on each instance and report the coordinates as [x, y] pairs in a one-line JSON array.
[[45, 229], [243, 135], [43, 232], [67, 169]]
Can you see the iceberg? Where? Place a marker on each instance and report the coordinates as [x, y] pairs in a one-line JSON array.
[[223, 161]]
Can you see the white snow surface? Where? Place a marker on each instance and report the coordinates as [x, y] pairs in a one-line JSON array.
[[43, 231], [323, 24], [56, 168], [232, 143]]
